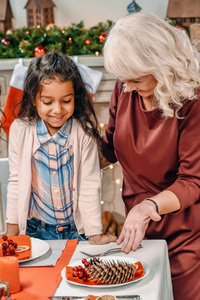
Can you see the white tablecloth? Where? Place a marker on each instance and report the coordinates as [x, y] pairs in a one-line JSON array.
[[156, 286]]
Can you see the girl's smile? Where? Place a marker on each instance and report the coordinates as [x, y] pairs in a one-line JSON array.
[[55, 103]]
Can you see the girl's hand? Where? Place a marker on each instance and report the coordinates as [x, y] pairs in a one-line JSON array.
[[136, 224], [12, 230], [100, 239]]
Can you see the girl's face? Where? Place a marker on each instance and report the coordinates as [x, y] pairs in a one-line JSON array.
[[144, 85], [55, 103]]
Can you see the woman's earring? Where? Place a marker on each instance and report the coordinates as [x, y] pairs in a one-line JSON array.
[[124, 87]]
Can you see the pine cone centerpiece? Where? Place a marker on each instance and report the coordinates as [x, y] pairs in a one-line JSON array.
[[111, 272]]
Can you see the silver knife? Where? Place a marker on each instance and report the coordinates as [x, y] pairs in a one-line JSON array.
[[134, 297]]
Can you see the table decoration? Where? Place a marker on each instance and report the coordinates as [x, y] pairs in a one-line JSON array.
[[40, 282], [20, 240], [9, 271], [68, 273]]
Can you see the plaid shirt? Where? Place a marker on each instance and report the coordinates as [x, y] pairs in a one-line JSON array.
[[52, 176]]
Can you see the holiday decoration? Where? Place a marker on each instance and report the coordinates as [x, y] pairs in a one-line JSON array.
[[70, 40], [24, 46], [40, 12], [133, 7], [195, 34], [111, 272], [180, 27], [87, 42], [6, 15], [185, 12], [102, 37], [5, 41], [49, 26], [39, 51], [9, 32]]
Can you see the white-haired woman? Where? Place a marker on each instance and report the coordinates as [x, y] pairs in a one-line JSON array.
[[153, 131]]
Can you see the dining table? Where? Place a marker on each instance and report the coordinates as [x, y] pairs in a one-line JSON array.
[[47, 272]]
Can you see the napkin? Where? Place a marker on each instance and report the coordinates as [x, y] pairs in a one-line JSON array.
[[21, 240], [48, 259], [69, 275]]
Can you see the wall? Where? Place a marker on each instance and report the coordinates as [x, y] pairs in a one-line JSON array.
[[90, 11]]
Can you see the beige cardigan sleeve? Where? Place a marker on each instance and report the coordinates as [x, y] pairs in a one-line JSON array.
[[12, 191]]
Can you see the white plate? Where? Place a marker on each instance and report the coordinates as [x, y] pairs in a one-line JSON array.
[[38, 248], [108, 258]]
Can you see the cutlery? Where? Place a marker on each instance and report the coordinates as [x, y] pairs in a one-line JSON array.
[[110, 251], [134, 297]]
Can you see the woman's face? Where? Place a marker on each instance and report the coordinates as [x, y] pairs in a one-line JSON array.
[[144, 85]]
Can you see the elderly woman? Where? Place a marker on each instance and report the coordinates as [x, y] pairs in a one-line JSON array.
[[153, 132]]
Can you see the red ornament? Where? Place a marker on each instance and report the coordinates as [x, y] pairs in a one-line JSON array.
[[87, 42], [5, 41], [102, 37], [180, 27], [39, 51]]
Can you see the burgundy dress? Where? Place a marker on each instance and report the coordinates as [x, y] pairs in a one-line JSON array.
[[159, 154]]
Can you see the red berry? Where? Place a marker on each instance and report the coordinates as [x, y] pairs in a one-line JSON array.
[[87, 264], [84, 260], [80, 273], [4, 237], [76, 268], [80, 268], [11, 248], [74, 274], [4, 246], [15, 245], [10, 242], [85, 278]]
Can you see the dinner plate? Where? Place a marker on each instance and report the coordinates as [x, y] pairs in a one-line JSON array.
[[38, 248], [108, 258]]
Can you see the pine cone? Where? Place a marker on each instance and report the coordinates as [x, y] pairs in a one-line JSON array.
[[111, 272]]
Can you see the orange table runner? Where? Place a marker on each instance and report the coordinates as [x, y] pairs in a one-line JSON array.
[[69, 275], [41, 282]]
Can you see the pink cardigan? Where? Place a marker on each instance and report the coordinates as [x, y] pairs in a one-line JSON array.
[[23, 142]]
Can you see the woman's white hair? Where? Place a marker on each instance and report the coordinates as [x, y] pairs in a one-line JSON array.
[[141, 44]]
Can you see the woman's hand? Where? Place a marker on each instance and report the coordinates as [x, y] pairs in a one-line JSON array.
[[136, 224], [100, 239]]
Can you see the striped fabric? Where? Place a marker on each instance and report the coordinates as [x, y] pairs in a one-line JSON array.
[[52, 180]]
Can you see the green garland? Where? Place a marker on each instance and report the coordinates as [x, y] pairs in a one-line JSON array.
[[74, 40]]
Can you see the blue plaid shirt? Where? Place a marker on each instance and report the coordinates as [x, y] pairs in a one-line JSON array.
[[52, 176]]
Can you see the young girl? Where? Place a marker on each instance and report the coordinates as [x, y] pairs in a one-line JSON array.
[[54, 183]]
